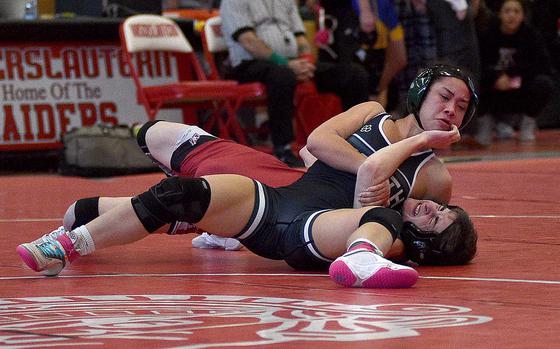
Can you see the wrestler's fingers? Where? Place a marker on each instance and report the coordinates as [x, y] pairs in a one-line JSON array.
[[373, 194], [377, 202]]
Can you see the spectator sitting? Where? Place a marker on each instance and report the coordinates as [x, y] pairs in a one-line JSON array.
[[516, 75], [267, 43]]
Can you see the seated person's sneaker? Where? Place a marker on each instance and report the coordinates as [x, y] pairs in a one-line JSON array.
[[504, 131], [362, 268], [485, 129], [47, 257], [206, 240], [527, 129], [52, 236]]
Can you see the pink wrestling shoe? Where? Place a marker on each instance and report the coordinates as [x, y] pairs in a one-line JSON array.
[[48, 257], [363, 268]]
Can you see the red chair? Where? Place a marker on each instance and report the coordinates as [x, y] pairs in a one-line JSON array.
[[152, 34], [251, 94], [312, 108]]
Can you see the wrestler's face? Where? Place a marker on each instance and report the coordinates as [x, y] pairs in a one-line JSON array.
[[445, 104], [511, 16], [427, 215]]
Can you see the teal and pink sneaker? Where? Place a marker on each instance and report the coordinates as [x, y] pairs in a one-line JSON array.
[[48, 256]]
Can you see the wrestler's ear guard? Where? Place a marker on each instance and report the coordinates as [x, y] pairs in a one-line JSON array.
[[421, 84], [421, 247]]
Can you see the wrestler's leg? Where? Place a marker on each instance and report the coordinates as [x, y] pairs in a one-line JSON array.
[[334, 231], [226, 207], [360, 238], [161, 139], [230, 207], [81, 212], [85, 210]]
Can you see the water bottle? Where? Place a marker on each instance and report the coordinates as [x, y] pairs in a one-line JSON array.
[[30, 9]]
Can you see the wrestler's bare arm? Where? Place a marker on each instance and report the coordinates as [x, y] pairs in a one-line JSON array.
[[380, 166], [328, 141]]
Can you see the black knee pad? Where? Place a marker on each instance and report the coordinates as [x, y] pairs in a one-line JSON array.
[[141, 136], [387, 217], [172, 199], [85, 210]]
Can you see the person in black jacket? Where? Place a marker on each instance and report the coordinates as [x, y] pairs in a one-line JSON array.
[[515, 75]]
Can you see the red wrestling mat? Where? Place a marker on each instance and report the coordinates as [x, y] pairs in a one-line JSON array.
[[160, 293]]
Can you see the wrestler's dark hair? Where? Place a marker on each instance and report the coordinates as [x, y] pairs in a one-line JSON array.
[[460, 238], [455, 245]]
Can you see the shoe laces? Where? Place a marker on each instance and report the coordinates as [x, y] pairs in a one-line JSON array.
[[53, 235]]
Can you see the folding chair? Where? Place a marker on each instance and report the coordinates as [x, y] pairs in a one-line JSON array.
[[251, 94], [152, 34]]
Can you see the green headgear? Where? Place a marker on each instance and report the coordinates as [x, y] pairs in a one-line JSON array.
[[421, 84]]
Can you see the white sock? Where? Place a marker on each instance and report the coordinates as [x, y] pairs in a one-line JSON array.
[[82, 240]]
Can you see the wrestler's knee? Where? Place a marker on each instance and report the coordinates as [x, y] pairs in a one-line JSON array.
[[81, 212], [173, 199], [387, 217]]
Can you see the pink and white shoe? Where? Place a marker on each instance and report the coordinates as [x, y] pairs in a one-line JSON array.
[[363, 268]]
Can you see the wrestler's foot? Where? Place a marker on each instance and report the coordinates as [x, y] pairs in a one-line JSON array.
[[47, 257], [206, 240], [362, 268], [50, 236]]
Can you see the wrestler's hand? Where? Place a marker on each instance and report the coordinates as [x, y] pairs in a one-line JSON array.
[[376, 195], [438, 139]]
